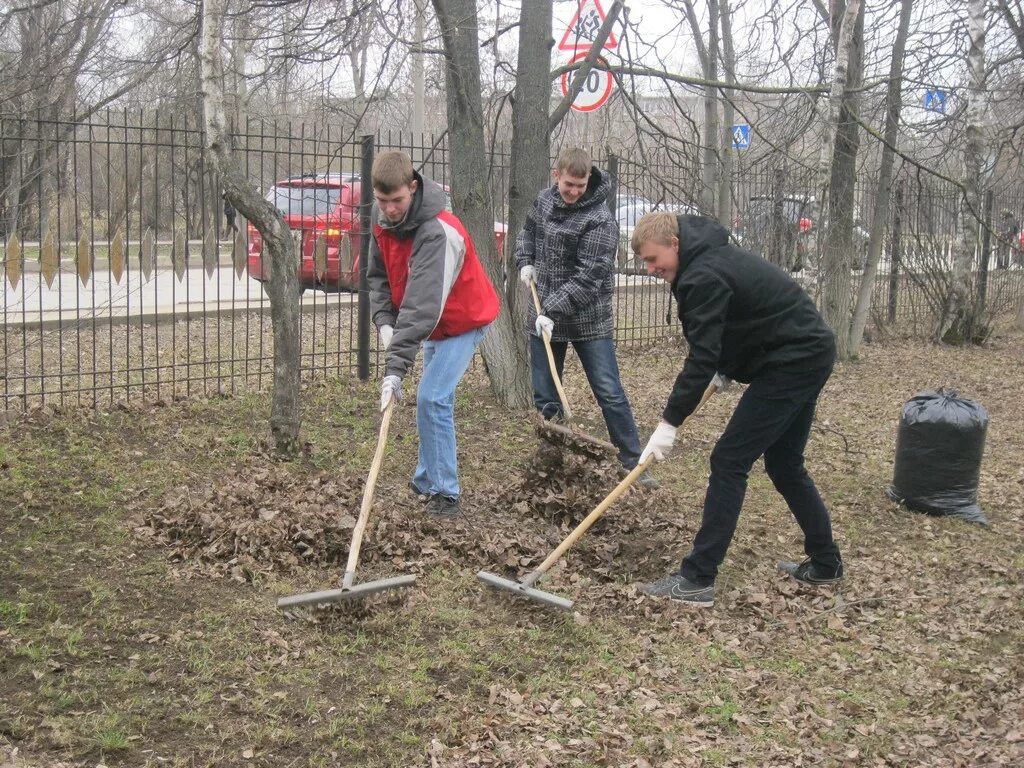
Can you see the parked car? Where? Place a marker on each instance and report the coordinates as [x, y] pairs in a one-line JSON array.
[[628, 211], [322, 211]]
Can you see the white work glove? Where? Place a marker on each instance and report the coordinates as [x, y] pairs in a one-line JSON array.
[[660, 442], [527, 275], [721, 382], [390, 387], [544, 325], [386, 332]]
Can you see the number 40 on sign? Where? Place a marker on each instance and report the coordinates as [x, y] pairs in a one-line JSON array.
[[596, 89]]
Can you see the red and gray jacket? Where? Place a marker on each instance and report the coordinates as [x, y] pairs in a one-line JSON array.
[[425, 278]]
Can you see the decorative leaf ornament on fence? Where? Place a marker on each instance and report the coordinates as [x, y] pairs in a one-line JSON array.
[[49, 258], [320, 258], [147, 256], [12, 263], [178, 253], [210, 249], [238, 253], [83, 258], [117, 248]]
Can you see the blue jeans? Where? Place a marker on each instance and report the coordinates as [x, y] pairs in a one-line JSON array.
[[773, 419], [598, 359], [444, 363]]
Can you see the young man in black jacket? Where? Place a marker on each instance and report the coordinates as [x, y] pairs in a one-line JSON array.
[[748, 320]]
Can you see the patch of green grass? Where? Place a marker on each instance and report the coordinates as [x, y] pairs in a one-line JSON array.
[[12, 614], [723, 712]]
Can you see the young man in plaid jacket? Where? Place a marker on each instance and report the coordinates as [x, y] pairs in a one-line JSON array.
[[567, 247]]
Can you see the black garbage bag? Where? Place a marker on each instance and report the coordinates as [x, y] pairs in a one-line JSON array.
[[939, 447]]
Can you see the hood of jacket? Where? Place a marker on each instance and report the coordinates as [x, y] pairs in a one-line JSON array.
[[599, 186], [427, 202], [697, 234]]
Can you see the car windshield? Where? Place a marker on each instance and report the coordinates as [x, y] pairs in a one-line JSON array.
[[791, 209], [629, 214], [304, 200]]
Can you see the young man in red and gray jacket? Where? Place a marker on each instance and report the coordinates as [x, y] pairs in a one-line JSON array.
[[427, 287]]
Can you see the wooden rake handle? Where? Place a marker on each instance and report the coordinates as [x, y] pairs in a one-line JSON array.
[[371, 484], [601, 508], [551, 357]]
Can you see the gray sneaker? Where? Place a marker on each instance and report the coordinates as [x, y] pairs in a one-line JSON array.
[[440, 505], [809, 572], [646, 480], [679, 588]]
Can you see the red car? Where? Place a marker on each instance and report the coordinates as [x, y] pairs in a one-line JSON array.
[[322, 211]]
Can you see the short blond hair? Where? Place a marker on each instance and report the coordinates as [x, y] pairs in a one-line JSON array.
[[657, 226], [574, 161], [391, 171]]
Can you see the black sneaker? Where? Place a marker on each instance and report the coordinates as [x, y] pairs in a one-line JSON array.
[[440, 505], [809, 572], [678, 587], [420, 495]]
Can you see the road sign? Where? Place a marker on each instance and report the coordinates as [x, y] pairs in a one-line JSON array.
[[582, 30], [741, 136], [935, 101], [596, 89]]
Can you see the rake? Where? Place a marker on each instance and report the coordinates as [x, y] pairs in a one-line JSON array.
[[348, 590], [526, 588]]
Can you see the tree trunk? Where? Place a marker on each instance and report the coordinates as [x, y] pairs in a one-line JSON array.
[[960, 323], [470, 192], [883, 197], [283, 286], [837, 173], [728, 115], [530, 166]]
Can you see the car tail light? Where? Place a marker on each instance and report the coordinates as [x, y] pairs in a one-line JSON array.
[[805, 224], [255, 239]]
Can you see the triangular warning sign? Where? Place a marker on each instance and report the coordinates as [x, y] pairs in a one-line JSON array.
[[582, 30]]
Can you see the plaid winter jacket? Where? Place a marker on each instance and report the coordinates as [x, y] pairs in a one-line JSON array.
[[572, 248]]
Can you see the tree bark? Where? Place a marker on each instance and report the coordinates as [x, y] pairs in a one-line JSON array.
[[883, 197], [283, 286], [530, 164], [960, 323], [470, 192], [837, 174], [728, 115]]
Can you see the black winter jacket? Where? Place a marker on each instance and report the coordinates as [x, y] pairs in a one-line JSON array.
[[741, 316]]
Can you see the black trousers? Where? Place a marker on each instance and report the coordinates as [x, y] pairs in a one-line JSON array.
[[773, 419]]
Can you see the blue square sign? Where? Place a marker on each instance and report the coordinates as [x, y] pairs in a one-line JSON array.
[[741, 136], [935, 101]]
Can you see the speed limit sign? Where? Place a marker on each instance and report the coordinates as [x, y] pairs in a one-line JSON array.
[[596, 89]]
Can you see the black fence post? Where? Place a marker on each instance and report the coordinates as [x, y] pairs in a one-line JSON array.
[[986, 251], [613, 175], [897, 252], [365, 205]]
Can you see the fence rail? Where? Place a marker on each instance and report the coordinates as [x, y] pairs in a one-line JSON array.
[[123, 278]]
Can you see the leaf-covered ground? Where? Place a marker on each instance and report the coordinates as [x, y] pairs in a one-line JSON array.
[[141, 552]]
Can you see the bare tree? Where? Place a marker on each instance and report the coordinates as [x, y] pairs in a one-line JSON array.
[[837, 172], [283, 287], [883, 196], [961, 322]]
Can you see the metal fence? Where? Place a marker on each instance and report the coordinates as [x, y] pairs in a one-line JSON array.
[[124, 279]]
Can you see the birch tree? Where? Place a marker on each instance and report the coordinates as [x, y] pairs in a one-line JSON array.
[[960, 323]]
